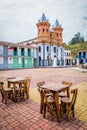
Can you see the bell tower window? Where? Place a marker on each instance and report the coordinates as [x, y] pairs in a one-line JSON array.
[[43, 29]]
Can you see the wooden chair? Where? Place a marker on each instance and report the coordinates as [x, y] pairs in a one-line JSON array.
[[47, 93], [68, 104], [63, 94], [6, 93], [22, 90], [41, 94], [49, 105]]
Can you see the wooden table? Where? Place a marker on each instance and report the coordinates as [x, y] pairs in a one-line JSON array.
[[16, 81], [55, 88]]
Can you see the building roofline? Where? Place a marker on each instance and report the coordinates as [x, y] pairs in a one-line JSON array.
[[28, 40], [81, 50], [15, 45]]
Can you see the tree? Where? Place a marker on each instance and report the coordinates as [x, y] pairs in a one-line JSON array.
[[77, 39]]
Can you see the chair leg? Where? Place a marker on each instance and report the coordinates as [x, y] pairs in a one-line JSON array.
[[51, 112], [73, 114], [2, 97], [68, 107], [44, 110], [5, 96], [41, 108], [52, 115]]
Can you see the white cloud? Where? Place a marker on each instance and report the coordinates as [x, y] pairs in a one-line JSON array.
[[19, 17]]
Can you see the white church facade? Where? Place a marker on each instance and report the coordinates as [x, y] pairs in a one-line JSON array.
[[48, 43], [50, 50]]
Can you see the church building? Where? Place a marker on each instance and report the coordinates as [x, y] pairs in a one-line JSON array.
[[49, 48]]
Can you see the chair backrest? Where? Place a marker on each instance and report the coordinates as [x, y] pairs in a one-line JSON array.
[[1, 88], [1, 84], [67, 83], [74, 92], [46, 99], [22, 85], [28, 79], [40, 84]]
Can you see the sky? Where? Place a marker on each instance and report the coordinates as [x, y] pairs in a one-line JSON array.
[[18, 18]]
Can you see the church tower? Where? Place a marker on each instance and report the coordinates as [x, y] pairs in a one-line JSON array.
[[43, 28], [57, 33]]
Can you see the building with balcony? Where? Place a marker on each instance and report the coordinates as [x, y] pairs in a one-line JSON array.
[[81, 57], [16, 56], [67, 57]]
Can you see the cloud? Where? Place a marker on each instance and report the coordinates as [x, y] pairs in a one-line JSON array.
[[19, 17]]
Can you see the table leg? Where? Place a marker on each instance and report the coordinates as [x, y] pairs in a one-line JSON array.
[[14, 93], [8, 84], [57, 106]]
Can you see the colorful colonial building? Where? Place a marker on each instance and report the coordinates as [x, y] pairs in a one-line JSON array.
[[67, 57], [16, 56], [82, 57]]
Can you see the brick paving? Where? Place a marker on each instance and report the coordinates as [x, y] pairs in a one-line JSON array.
[[81, 102], [25, 115]]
